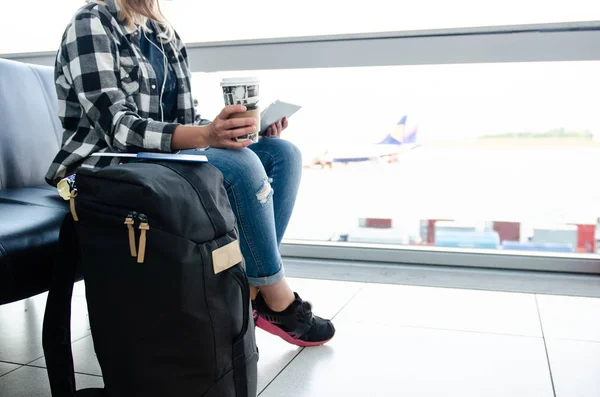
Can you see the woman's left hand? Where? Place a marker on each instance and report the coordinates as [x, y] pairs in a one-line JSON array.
[[277, 128]]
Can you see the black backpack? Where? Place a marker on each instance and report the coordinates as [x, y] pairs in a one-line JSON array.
[[167, 293]]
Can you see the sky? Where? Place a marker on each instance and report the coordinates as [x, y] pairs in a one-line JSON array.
[[447, 102]]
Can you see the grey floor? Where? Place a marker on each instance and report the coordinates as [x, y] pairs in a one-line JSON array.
[[392, 340]]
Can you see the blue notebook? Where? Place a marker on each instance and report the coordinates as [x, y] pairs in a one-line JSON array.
[[157, 156]]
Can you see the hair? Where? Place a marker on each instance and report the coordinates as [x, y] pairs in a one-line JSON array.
[[140, 11]]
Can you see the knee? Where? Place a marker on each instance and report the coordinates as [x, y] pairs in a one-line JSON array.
[[285, 151], [245, 165]]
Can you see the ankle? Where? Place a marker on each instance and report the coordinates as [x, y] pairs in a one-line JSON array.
[[253, 292], [279, 305], [279, 296]]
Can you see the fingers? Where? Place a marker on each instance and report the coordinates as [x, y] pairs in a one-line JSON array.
[[277, 128], [234, 133], [239, 123], [231, 109]]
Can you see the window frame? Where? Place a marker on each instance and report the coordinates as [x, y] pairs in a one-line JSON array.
[[573, 41], [441, 256]]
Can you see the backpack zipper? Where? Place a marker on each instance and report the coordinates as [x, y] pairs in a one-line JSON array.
[[130, 222], [72, 205], [144, 226]]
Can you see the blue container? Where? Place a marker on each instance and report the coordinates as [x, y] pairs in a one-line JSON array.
[[467, 239], [543, 247]]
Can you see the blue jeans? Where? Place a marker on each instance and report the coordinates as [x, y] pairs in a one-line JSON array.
[[262, 183]]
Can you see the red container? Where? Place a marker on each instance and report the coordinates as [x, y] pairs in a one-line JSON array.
[[585, 238], [508, 231], [376, 223]]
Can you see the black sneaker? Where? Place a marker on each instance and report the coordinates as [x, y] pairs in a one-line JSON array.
[[296, 324]]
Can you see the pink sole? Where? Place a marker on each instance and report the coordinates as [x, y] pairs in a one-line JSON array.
[[272, 329]]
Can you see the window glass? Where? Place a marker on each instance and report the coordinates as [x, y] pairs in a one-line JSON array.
[[491, 155]]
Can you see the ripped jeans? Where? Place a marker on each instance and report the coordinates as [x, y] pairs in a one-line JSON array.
[[262, 183]]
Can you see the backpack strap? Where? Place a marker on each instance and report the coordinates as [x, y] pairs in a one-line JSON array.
[[56, 331], [240, 374]]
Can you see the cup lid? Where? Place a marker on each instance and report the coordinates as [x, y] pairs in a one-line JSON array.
[[229, 81]]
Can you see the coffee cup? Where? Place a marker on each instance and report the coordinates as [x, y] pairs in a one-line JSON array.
[[243, 91]]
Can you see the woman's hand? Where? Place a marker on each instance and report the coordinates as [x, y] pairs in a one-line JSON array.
[[219, 133], [277, 128], [222, 130]]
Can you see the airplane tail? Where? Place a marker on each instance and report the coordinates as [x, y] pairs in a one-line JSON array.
[[401, 135]]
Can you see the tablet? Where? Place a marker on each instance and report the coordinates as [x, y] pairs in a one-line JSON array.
[[276, 111]]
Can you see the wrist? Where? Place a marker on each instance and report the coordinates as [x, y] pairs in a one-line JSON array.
[[201, 137], [189, 137]]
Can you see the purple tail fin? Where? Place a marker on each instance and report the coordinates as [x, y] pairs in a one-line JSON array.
[[400, 134]]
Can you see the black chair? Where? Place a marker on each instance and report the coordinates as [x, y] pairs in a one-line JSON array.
[[38, 243], [31, 212]]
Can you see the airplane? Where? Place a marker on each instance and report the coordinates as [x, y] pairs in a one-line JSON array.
[[398, 140]]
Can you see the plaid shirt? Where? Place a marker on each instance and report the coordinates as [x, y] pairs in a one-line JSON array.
[[108, 96]]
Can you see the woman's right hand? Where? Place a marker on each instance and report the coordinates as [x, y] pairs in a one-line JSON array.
[[222, 130]]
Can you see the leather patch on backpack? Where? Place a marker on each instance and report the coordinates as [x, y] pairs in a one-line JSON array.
[[226, 256]]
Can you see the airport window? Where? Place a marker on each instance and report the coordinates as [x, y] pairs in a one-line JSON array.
[[485, 156]]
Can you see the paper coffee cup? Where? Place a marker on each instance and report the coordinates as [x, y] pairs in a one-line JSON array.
[[243, 91]]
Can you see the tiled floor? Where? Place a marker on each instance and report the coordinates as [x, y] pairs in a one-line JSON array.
[[391, 340]]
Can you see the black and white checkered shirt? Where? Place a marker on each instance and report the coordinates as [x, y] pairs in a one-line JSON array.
[[108, 96]]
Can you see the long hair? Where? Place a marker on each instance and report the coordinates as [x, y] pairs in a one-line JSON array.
[[140, 11]]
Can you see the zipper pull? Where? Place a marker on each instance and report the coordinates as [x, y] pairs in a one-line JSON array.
[[143, 227], [72, 205], [130, 221]]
